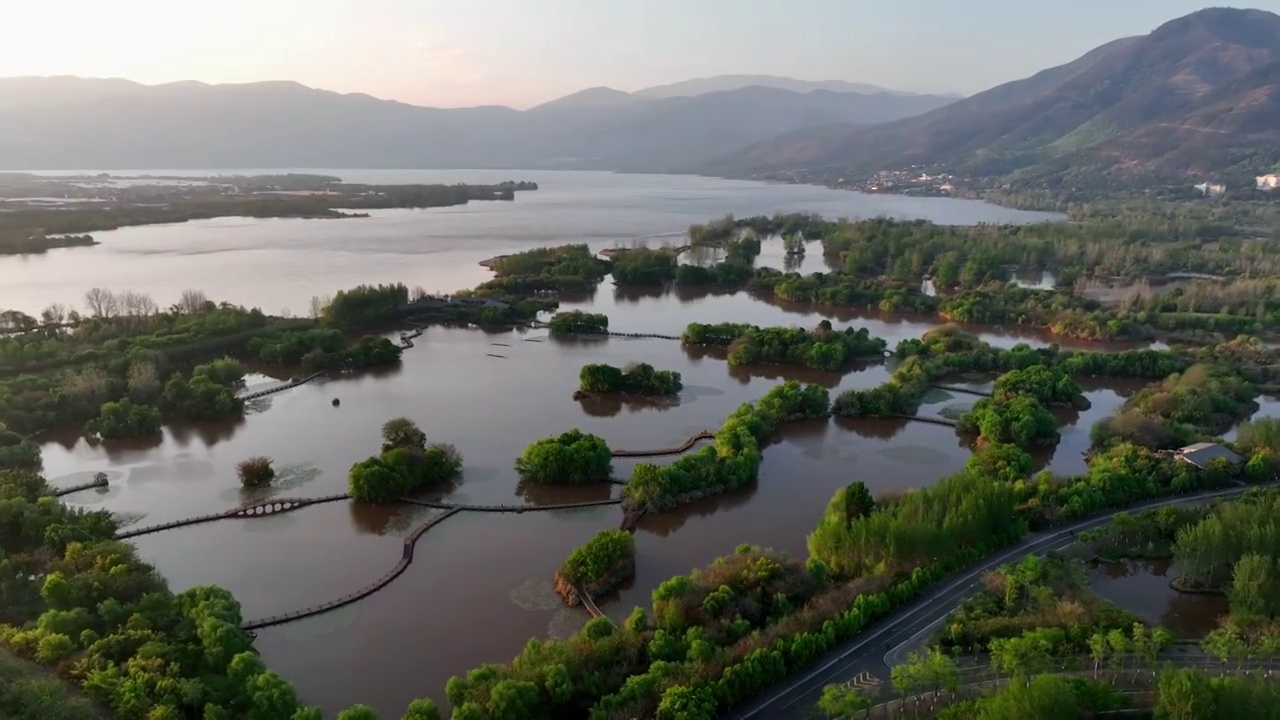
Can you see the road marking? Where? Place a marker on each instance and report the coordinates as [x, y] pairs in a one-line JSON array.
[[1065, 533], [863, 680]]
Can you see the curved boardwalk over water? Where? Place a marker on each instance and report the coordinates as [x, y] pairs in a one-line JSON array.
[[406, 559], [279, 388], [510, 508], [262, 509], [688, 445]]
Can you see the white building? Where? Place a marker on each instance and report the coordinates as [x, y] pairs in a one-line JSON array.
[[1268, 182], [1210, 189]]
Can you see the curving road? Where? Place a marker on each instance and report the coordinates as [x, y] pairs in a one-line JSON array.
[[866, 657]]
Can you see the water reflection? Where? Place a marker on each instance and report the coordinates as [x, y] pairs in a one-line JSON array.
[[1142, 587], [606, 406]]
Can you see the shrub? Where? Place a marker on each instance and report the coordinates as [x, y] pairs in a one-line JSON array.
[[255, 471]]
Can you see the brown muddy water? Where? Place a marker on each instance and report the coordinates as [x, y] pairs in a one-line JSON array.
[[480, 584], [1141, 586]]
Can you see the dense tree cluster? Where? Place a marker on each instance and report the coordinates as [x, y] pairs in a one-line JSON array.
[[1049, 386], [1237, 535], [637, 379], [947, 350], [734, 271], [1022, 421], [122, 419], [207, 395], [572, 458], [1187, 694], [601, 563], [734, 460], [644, 266], [1149, 534], [557, 262], [822, 348], [17, 452], [962, 511], [290, 347], [88, 608], [576, 322], [1034, 593], [366, 305], [406, 464], [1203, 400]]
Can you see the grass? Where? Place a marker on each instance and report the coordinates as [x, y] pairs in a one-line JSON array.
[[30, 692]]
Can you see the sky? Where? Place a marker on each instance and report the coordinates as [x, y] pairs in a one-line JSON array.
[[453, 53]]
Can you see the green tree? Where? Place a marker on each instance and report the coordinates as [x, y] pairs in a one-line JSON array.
[[358, 712], [842, 701], [421, 710]]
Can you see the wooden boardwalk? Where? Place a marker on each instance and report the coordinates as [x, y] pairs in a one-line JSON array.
[[590, 604], [280, 388], [920, 418], [406, 559], [683, 448], [510, 508], [261, 509], [961, 390], [99, 480]]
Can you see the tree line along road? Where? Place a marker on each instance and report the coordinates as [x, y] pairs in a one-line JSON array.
[[891, 638]]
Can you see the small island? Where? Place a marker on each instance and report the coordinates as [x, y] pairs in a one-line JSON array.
[[572, 458], [596, 568], [576, 322], [637, 379], [407, 464]]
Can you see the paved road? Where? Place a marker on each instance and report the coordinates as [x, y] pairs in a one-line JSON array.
[[891, 638]]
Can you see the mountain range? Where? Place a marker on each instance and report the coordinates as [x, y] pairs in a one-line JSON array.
[[1198, 96], [75, 123]]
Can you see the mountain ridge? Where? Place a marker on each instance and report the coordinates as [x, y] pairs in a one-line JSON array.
[[62, 123], [1125, 109]]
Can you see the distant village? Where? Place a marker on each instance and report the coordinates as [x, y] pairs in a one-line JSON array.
[[919, 181]]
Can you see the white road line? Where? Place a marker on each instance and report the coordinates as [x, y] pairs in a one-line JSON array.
[[1048, 540]]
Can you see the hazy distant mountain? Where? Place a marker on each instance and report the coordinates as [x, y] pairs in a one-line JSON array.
[[1199, 95], [722, 83], [52, 123]]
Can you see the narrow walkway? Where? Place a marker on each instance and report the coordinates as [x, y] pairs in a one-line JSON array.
[[261, 509], [279, 388], [99, 480], [406, 559], [590, 604], [683, 448], [923, 419], [961, 390], [509, 508]]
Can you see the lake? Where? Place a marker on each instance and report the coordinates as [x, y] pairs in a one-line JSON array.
[[481, 584], [280, 264]]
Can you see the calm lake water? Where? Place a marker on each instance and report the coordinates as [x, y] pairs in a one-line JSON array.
[[480, 585], [1142, 587], [280, 264]]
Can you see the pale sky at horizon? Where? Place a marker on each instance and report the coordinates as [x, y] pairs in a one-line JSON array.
[[523, 52]]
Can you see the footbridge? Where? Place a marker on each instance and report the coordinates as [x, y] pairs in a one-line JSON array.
[[261, 509], [406, 559]]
